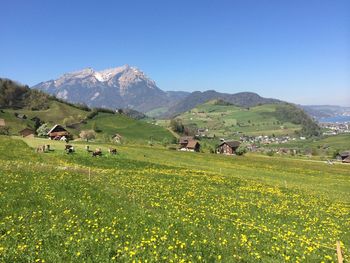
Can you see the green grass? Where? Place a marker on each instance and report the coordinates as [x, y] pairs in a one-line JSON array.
[[166, 206], [130, 129], [133, 131], [325, 145], [225, 121], [13, 122], [157, 112], [56, 113]]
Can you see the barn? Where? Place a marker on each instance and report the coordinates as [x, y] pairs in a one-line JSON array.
[[228, 148], [58, 132], [187, 143], [27, 132], [345, 156]]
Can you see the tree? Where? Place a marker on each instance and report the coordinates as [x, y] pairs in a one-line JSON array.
[[87, 135], [165, 142], [241, 150], [43, 130], [335, 153], [176, 126], [68, 121], [4, 130]]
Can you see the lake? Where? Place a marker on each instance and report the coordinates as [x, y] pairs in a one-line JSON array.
[[334, 119]]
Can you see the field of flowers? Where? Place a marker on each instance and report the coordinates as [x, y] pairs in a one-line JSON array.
[[59, 208]]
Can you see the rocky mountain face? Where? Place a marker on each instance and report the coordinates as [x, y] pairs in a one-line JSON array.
[[121, 87], [129, 87]]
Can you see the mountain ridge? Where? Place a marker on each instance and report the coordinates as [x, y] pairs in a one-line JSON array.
[[129, 87]]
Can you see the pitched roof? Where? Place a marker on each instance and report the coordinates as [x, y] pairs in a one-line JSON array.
[[54, 127], [192, 144], [344, 154], [26, 131], [346, 160], [185, 139], [232, 144]]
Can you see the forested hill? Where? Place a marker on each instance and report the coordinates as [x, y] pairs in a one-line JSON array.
[[17, 96]]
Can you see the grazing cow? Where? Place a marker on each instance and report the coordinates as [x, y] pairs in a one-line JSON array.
[[112, 151], [40, 149], [68, 146], [87, 148], [97, 152], [69, 149]]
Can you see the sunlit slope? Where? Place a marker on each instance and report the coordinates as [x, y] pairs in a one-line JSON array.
[[107, 124], [58, 207], [228, 120]]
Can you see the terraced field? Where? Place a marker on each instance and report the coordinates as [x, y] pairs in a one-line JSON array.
[[154, 205]]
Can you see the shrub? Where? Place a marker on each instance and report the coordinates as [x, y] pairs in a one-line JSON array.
[[92, 114], [4, 130], [177, 126], [165, 142], [241, 150], [43, 130], [270, 153]]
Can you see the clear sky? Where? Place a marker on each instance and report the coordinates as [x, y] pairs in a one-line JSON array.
[[297, 50]]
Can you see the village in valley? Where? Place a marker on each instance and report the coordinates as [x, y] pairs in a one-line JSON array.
[[263, 144]]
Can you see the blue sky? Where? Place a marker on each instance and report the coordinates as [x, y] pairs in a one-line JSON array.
[[297, 50]]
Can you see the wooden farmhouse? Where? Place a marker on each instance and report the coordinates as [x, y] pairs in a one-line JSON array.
[[345, 156], [228, 148], [58, 132], [189, 144], [27, 132]]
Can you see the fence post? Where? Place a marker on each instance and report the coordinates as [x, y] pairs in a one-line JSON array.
[[340, 256]]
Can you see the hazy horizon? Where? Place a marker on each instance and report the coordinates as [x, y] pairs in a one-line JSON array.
[[294, 51]]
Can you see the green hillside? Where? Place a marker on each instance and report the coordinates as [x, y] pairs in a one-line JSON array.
[[323, 145], [56, 113], [108, 124], [228, 121], [130, 129], [17, 99], [157, 205]]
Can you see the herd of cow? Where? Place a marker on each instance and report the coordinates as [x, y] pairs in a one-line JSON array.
[[70, 149]]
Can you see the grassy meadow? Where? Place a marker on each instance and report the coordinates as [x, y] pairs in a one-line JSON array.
[[132, 131], [149, 204], [226, 120], [323, 145]]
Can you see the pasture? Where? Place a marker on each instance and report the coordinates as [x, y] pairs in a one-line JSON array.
[[226, 121], [107, 124], [155, 205]]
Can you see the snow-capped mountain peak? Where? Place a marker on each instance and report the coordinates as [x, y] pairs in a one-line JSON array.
[[107, 74], [79, 74], [123, 86]]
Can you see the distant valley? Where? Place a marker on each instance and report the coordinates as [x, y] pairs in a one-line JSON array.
[[328, 113]]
